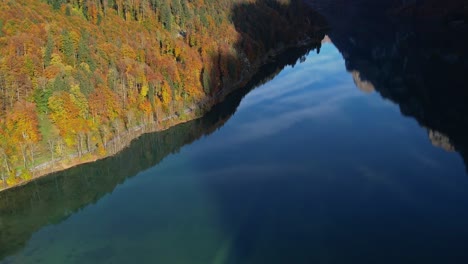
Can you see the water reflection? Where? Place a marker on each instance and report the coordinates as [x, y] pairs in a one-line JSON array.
[[342, 177], [357, 182], [413, 54], [309, 169], [52, 199]]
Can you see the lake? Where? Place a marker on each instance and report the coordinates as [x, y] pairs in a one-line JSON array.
[[313, 162]]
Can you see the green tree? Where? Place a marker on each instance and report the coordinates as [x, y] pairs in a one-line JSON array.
[[67, 10], [166, 16], [1, 28], [206, 81], [41, 98], [83, 53], [60, 83], [67, 48], [56, 3], [49, 48], [176, 8]]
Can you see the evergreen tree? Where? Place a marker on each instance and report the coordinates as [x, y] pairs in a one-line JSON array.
[[206, 81], [83, 53], [176, 8], [166, 16], [1, 28], [48, 50], [67, 48], [68, 11]]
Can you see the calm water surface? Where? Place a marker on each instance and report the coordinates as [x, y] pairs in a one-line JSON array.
[[309, 169]]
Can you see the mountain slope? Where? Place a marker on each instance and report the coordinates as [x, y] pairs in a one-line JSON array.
[[75, 76]]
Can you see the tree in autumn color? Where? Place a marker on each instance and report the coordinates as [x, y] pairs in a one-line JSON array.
[[74, 75], [22, 127]]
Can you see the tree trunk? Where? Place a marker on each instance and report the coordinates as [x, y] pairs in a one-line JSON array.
[[24, 153], [88, 142], [79, 145], [31, 151], [50, 143]]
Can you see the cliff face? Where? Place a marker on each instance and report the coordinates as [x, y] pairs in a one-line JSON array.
[[414, 53]]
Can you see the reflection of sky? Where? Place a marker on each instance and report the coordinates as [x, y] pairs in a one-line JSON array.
[[346, 132], [307, 156], [315, 89]]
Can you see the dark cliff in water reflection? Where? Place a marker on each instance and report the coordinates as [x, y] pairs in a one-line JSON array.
[[49, 200], [414, 53]]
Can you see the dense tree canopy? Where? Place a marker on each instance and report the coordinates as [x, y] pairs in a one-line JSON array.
[[74, 74]]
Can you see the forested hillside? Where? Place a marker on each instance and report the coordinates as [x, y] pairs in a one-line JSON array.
[[22, 213], [76, 75]]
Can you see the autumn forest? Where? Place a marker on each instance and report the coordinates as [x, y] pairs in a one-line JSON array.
[[79, 79]]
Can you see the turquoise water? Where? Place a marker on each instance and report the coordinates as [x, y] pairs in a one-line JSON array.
[[306, 169]]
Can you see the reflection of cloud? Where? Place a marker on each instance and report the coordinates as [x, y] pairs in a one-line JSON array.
[[275, 123], [275, 90], [381, 178], [314, 70], [317, 88], [425, 160], [295, 95], [256, 171], [313, 96]]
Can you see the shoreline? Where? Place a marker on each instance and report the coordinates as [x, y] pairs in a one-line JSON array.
[[193, 112]]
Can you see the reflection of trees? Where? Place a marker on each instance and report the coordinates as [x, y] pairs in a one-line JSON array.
[[51, 199], [265, 28], [48, 200]]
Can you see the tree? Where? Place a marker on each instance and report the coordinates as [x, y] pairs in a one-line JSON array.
[[206, 81], [41, 99], [132, 68], [67, 48], [23, 127], [166, 15], [1, 28]]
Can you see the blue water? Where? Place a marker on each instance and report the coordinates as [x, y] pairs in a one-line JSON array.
[[309, 169]]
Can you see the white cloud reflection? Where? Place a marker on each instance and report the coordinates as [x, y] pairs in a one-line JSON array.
[[316, 88], [276, 122]]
